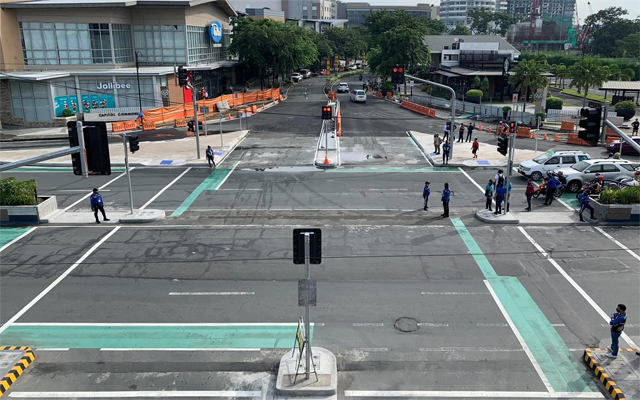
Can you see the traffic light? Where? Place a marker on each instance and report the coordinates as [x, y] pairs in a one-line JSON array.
[[327, 112], [133, 143], [315, 246], [96, 144], [183, 78], [397, 75], [590, 125], [503, 145], [73, 142]]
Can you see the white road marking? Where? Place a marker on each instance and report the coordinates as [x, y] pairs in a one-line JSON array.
[[254, 226], [557, 325], [386, 190], [573, 283], [371, 349], [471, 179], [456, 293], [481, 394], [100, 187], [368, 324], [421, 152], [625, 325], [526, 349], [147, 324], [52, 349], [488, 325], [57, 281], [231, 151], [614, 240], [75, 190], [481, 349], [305, 209], [135, 394], [164, 188], [228, 175], [28, 231], [177, 349], [431, 324], [211, 293]]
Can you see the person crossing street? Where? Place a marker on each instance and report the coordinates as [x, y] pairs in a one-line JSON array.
[[97, 204], [446, 196], [425, 195], [210, 160]]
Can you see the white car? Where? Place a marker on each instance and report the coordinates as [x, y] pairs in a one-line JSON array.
[[358, 96], [353, 67], [537, 168], [305, 73], [296, 77], [343, 87], [584, 171]]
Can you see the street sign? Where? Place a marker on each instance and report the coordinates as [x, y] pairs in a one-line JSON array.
[[514, 98], [537, 96], [306, 292], [411, 83], [315, 245], [204, 110]]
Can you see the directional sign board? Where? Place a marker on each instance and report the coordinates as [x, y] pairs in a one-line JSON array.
[[315, 245], [514, 98], [411, 83], [306, 292]]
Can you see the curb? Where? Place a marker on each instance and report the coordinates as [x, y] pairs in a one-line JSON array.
[[17, 369], [502, 219], [598, 371]]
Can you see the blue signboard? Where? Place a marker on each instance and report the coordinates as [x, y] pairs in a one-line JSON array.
[[215, 31], [62, 103]]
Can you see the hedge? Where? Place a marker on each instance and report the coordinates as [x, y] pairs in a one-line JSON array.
[[474, 93], [626, 105], [17, 193], [554, 102]]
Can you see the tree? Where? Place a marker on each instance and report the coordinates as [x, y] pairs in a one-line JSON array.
[[476, 82], [434, 26], [627, 74], [585, 74], [527, 75], [605, 27], [614, 72], [348, 43], [561, 72], [485, 88], [460, 30], [628, 46], [502, 22], [480, 19]]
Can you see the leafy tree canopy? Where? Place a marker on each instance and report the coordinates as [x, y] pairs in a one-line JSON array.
[[485, 22], [607, 26], [460, 30]]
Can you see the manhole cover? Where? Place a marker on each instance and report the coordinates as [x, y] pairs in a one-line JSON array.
[[406, 324]]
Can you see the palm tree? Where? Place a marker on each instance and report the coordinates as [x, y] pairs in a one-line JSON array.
[[528, 75], [561, 72], [586, 73]]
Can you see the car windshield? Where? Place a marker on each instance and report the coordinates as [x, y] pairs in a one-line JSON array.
[[360, 92], [580, 166], [343, 84], [543, 157]]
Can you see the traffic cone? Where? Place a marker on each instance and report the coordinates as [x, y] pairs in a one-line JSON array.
[[480, 126], [326, 159], [533, 135], [557, 137], [489, 130], [339, 134], [545, 137], [229, 117]]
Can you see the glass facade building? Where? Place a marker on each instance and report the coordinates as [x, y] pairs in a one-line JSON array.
[[160, 44]]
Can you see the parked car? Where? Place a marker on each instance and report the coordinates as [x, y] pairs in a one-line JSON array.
[[322, 72], [358, 96], [359, 66], [551, 160], [614, 147], [586, 170], [296, 77], [341, 69], [353, 67], [343, 87], [305, 73]]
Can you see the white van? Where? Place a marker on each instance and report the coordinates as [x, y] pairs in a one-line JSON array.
[[358, 96]]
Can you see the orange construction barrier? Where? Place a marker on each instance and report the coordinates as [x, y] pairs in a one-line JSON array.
[[573, 138], [432, 113], [523, 132], [379, 95], [117, 127], [130, 125], [181, 123], [148, 125], [567, 126], [557, 139], [480, 126], [611, 139], [489, 130]]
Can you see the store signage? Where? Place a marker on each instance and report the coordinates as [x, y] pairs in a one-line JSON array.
[[112, 115], [114, 85], [215, 31]]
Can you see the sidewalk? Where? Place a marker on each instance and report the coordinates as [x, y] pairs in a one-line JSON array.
[[159, 153]]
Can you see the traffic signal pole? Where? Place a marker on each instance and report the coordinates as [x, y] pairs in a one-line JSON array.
[[126, 166], [195, 119], [512, 150], [453, 104]]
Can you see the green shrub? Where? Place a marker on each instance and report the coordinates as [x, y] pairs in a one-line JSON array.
[[67, 113], [626, 105], [506, 109], [425, 88], [474, 93], [388, 86], [17, 193], [276, 85], [628, 195], [554, 102], [542, 115]]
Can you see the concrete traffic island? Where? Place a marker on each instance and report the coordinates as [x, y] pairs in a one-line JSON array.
[[326, 383], [142, 216], [491, 218]]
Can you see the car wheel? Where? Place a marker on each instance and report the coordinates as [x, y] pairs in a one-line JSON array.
[[574, 186], [536, 176]]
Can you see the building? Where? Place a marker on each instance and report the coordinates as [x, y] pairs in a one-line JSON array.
[[242, 5], [454, 12], [308, 9], [457, 60], [357, 13], [265, 13], [320, 25], [81, 56], [554, 19]]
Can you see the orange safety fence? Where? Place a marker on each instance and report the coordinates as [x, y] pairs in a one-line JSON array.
[[389, 95], [148, 125], [567, 126], [573, 138], [117, 127], [181, 123], [168, 114], [429, 112], [130, 125], [339, 123]]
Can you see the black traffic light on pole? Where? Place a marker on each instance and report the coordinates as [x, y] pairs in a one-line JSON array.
[[327, 112], [315, 246], [96, 141], [183, 78], [397, 75], [73, 142], [134, 144], [590, 125], [503, 145]]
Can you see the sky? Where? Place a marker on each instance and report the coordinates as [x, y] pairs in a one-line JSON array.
[[633, 6]]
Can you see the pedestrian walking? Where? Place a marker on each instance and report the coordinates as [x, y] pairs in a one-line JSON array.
[[446, 196], [488, 193], [552, 184], [529, 194], [446, 148], [635, 125], [584, 205], [461, 134], [447, 127], [618, 319], [97, 204], [501, 192], [470, 129], [436, 143], [474, 147], [210, 160], [425, 195]]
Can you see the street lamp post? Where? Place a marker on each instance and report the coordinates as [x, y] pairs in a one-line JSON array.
[[138, 78]]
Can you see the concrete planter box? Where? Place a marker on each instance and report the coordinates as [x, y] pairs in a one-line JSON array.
[[28, 214], [629, 213]]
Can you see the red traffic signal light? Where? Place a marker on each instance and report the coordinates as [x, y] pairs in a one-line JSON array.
[[401, 70], [395, 70], [327, 112]]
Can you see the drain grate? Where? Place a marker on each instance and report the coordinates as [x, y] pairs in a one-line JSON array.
[[406, 324]]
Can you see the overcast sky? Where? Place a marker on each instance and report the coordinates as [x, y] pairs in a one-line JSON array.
[[633, 6]]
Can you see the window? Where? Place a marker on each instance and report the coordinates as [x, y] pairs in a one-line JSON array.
[[582, 158], [122, 43], [568, 160], [609, 168], [100, 43], [553, 160], [201, 48], [160, 44], [61, 43], [30, 101], [628, 167], [593, 169]]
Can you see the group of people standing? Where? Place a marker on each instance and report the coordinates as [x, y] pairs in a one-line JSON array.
[[446, 197], [497, 190]]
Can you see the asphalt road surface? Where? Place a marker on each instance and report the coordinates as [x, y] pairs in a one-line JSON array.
[[206, 300]]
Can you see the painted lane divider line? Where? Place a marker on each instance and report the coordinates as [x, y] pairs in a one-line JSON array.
[[101, 187], [433, 324], [481, 349], [211, 293], [614, 240], [575, 285], [164, 189], [178, 349], [470, 394], [368, 324], [137, 394], [455, 293]]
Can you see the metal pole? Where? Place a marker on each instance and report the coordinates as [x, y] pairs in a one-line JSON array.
[[139, 95], [512, 150], [623, 136], [126, 166], [307, 327], [43, 157], [195, 117], [220, 119], [240, 119], [83, 150], [603, 136], [204, 117]]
